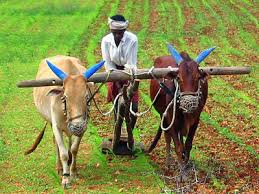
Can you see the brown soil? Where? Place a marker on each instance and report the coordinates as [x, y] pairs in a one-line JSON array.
[[238, 167], [231, 164], [154, 16]]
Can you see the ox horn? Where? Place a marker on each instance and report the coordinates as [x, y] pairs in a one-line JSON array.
[[204, 54], [89, 72], [174, 54], [62, 75]]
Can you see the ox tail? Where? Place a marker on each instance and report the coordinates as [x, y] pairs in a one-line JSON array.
[[155, 140], [37, 141]]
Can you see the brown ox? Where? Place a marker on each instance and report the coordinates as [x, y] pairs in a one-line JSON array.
[[183, 114], [66, 108]]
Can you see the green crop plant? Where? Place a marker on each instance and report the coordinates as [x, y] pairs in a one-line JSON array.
[[31, 31]]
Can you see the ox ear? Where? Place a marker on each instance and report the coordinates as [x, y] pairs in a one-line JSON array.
[[54, 92], [89, 72], [204, 54], [174, 54], [62, 75]]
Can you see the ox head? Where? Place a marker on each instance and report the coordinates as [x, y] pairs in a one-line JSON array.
[[189, 78], [74, 95]]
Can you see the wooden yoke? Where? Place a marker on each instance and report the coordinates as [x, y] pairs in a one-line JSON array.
[[140, 74]]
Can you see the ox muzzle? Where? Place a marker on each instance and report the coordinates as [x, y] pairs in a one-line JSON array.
[[189, 101], [77, 128]]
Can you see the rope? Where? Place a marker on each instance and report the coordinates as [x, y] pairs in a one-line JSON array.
[[92, 97], [109, 112], [173, 101], [133, 74], [139, 114]]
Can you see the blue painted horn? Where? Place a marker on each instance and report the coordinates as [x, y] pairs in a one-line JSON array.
[[89, 72], [203, 55], [62, 75], [174, 54]]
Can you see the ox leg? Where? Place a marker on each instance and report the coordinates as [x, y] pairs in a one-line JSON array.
[[74, 151], [58, 161], [178, 146], [168, 150], [69, 151], [188, 142], [63, 155]]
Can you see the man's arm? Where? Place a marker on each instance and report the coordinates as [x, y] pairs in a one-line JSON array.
[[106, 56], [132, 58]]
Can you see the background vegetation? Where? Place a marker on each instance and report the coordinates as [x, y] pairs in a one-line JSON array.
[[226, 144]]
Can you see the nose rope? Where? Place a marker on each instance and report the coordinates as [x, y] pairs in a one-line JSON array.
[[173, 102], [63, 99], [161, 84], [73, 118]]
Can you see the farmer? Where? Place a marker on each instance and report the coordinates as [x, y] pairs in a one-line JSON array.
[[119, 51]]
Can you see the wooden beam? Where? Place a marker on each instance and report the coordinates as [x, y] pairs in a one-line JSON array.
[[140, 74]]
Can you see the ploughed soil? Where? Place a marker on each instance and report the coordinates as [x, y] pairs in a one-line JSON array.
[[219, 165]]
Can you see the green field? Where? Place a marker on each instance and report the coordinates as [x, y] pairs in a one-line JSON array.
[[226, 144]]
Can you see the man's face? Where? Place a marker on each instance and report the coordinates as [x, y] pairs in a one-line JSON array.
[[118, 35]]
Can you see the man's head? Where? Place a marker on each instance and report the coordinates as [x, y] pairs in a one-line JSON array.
[[117, 25]]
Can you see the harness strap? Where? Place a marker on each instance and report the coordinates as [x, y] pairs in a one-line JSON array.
[[95, 92], [166, 89], [161, 84]]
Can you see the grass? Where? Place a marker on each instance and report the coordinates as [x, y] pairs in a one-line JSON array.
[[31, 31], [226, 90], [95, 138], [38, 36]]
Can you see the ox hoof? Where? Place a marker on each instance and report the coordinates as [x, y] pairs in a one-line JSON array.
[[66, 182]]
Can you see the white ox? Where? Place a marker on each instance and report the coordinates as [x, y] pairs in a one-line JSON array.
[[65, 107]]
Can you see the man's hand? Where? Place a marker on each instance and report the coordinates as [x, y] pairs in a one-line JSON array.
[[130, 68]]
